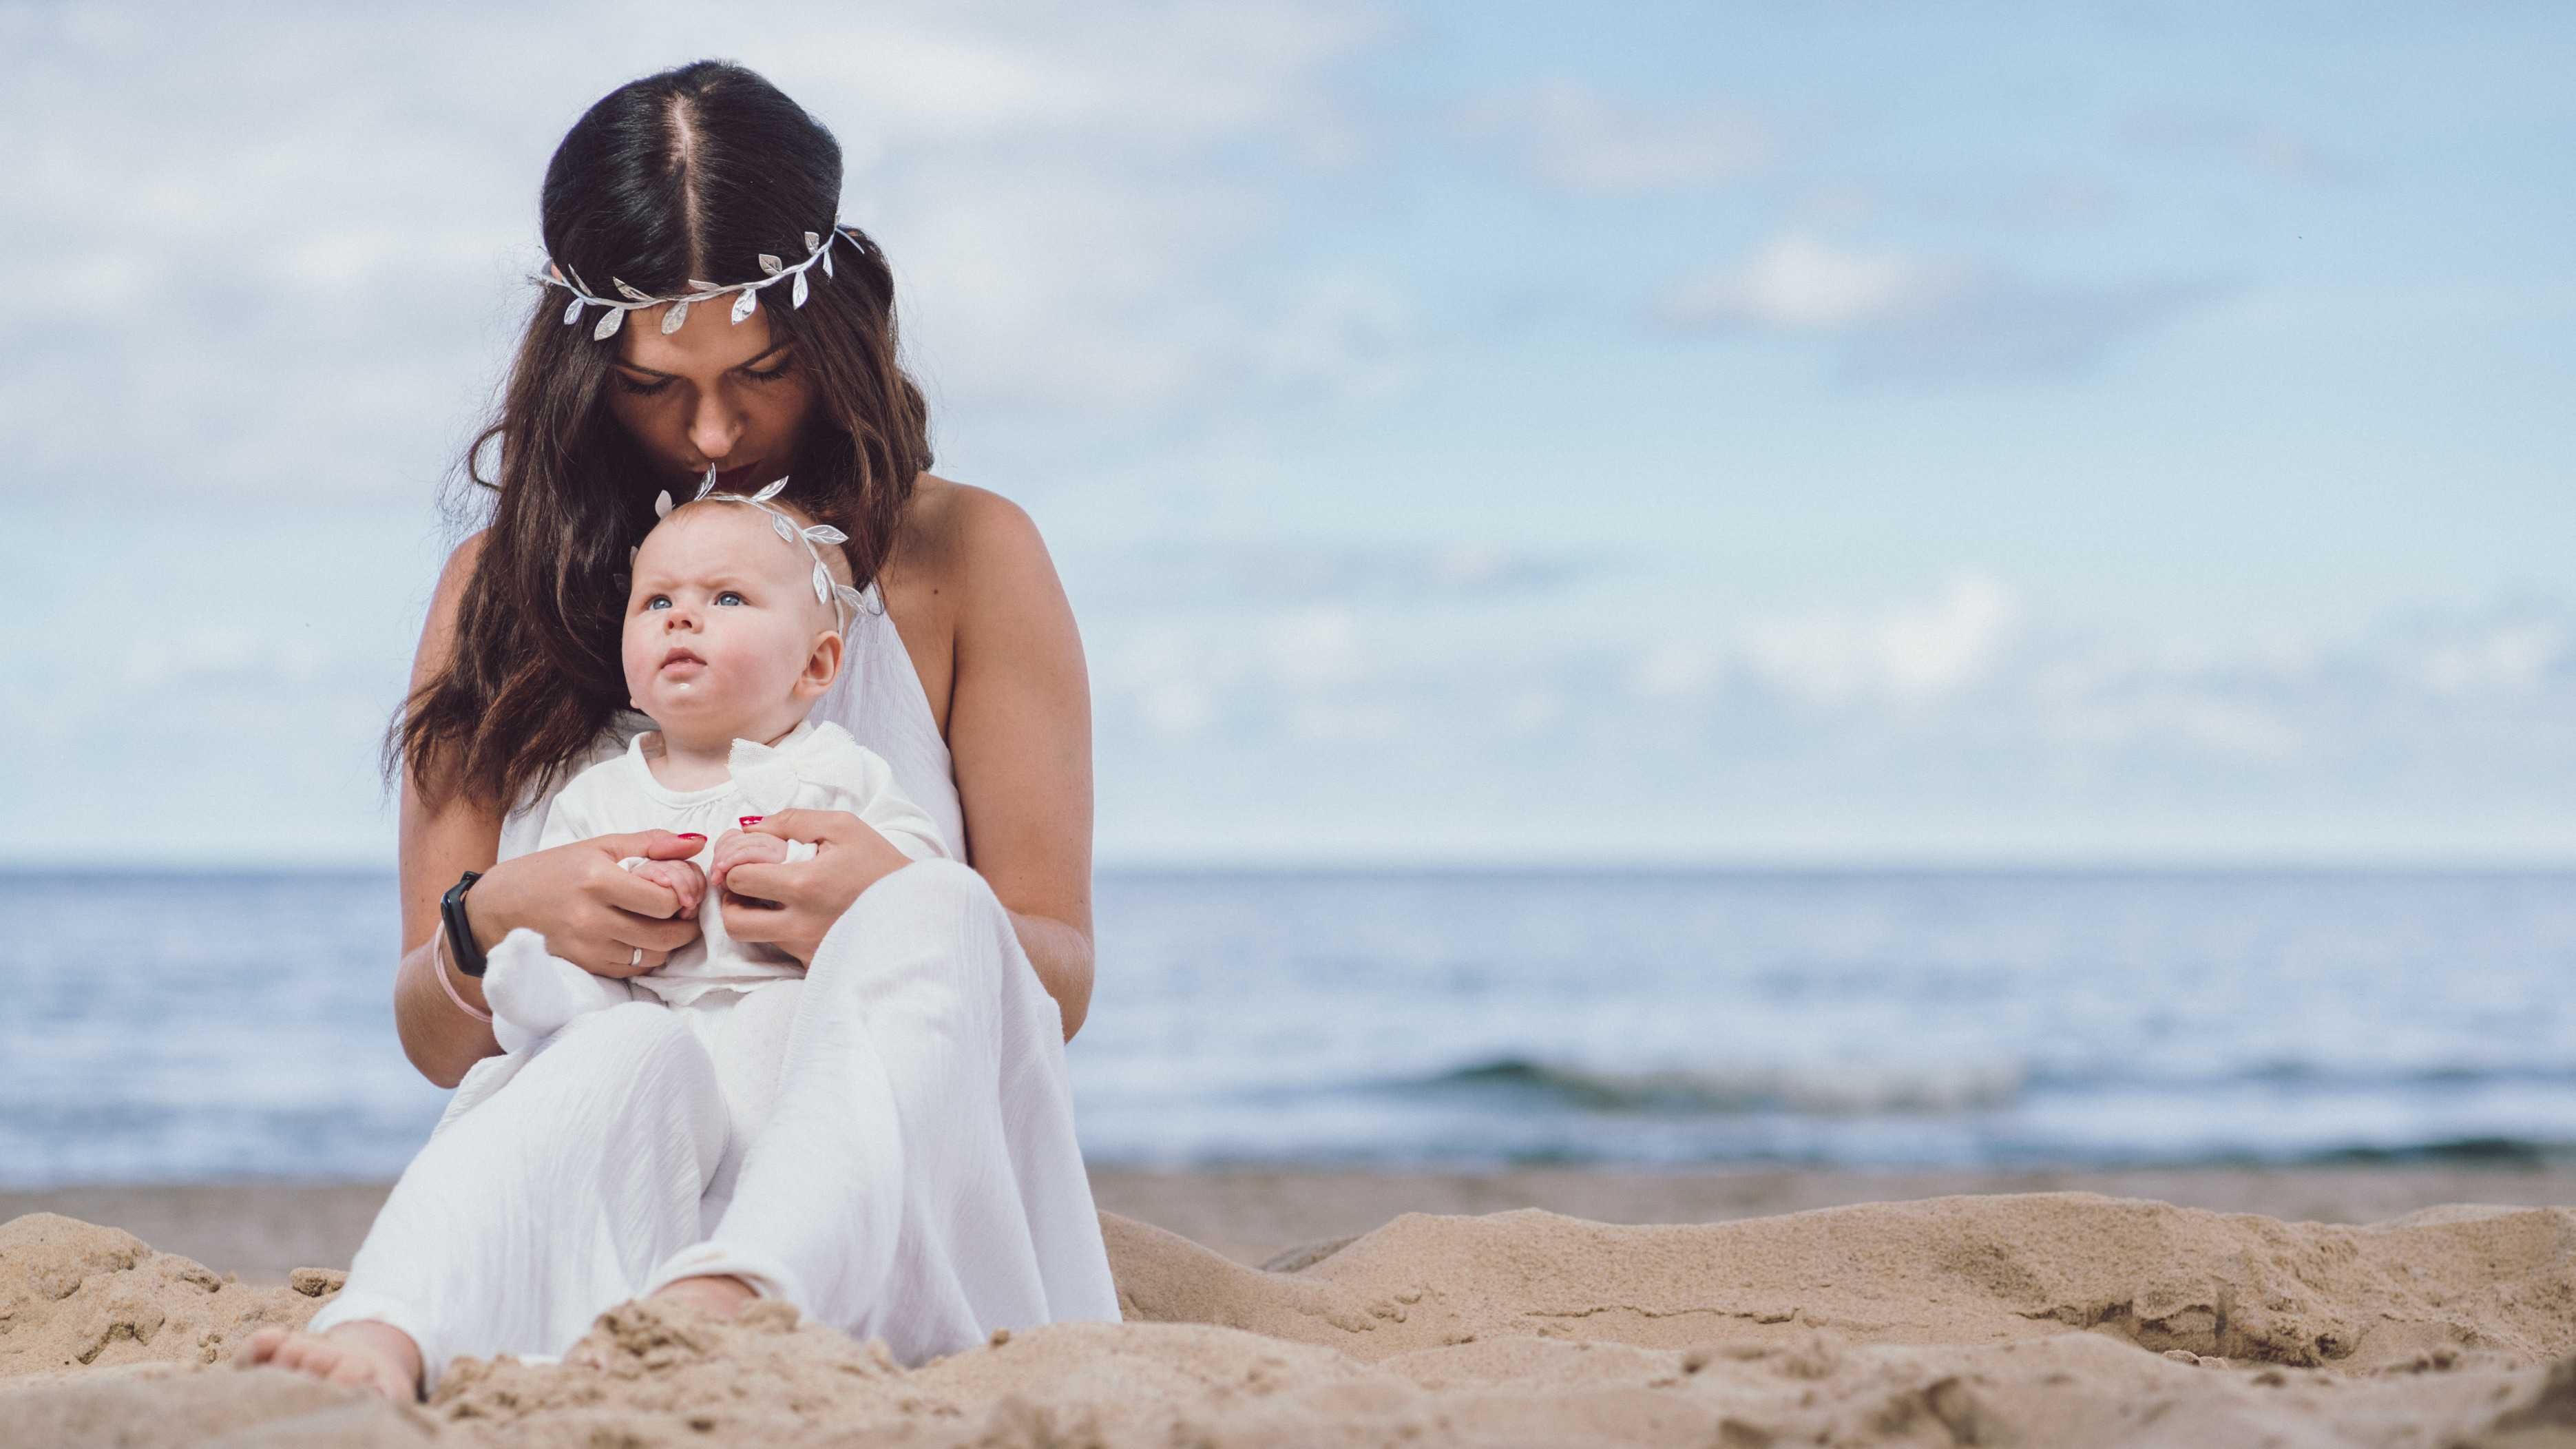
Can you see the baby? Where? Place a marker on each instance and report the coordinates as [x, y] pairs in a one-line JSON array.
[[733, 628]]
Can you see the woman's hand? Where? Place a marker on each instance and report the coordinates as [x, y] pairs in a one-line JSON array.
[[791, 906], [591, 911]]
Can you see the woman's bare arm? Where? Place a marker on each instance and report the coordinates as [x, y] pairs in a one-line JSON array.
[[437, 846], [1019, 734]]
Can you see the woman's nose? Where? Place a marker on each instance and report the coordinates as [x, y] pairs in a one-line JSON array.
[[714, 428]]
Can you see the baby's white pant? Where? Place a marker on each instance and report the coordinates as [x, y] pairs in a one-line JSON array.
[[904, 1138]]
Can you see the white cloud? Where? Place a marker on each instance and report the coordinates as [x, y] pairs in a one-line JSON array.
[[1902, 317], [2200, 720], [1801, 283], [1676, 669], [1574, 138], [2515, 657], [1951, 723], [1346, 721], [1314, 649], [1914, 653], [1176, 707], [1217, 571]]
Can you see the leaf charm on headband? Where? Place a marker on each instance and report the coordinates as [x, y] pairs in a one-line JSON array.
[[572, 313], [672, 319], [662, 504], [827, 261], [772, 491], [785, 530], [608, 324], [798, 290], [826, 533], [822, 585], [812, 242], [743, 304], [769, 264], [629, 293], [709, 486]]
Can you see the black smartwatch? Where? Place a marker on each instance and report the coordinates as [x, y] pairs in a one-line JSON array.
[[460, 931]]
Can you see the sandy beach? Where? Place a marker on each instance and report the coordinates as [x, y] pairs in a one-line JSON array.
[[2347, 1306]]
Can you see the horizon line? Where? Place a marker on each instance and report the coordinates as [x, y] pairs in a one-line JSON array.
[[1427, 864]]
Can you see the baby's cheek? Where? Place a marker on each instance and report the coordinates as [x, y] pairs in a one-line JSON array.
[[635, 656]]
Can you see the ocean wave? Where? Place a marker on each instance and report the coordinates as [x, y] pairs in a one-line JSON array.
[[2301, 1076], [1838, 1090]]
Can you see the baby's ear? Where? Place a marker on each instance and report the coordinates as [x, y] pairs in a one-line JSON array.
[[822, 664]]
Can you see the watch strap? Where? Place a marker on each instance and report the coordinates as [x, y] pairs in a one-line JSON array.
[[460, 930]]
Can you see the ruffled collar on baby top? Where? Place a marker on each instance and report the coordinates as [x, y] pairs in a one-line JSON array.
[[764, 777]]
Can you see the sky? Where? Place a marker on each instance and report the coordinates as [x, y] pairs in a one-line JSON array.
[[1763, 433]]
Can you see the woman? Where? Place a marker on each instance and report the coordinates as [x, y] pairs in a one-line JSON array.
[[916, 1178]]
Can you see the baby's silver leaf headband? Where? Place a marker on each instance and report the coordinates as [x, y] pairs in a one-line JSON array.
[[811, 535], [818, 249]]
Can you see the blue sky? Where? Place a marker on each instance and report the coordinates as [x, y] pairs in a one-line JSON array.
[[1770, 432]]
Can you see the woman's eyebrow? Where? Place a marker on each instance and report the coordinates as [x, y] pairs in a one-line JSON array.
[[737, 367]]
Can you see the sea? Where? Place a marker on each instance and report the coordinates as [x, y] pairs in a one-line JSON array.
[[193, 1027]]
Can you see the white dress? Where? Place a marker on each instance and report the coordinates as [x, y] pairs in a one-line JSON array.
[[911, 1173]]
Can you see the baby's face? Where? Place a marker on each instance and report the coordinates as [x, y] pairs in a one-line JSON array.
[[722, 627]]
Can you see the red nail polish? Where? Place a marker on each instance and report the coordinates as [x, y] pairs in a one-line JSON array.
[[691, 835], [748, 821]]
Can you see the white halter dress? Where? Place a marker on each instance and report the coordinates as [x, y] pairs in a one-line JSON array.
[[905, 1169]]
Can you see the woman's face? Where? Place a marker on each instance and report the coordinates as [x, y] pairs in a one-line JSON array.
[[715, 392]]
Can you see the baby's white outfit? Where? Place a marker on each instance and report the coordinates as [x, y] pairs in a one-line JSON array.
[[915, 1176], [816, 767]]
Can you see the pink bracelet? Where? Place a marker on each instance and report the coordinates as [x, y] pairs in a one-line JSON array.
[[438, 963]]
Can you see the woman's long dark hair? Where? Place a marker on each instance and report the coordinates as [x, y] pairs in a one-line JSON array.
[[689, 174]]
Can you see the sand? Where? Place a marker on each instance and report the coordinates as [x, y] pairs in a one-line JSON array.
[[264, 1230], [2027, 1318]]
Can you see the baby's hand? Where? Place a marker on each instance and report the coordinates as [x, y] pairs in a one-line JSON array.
[[679, 877], [743, 847]]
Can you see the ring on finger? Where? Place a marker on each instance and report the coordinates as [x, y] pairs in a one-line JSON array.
[[636, 959]]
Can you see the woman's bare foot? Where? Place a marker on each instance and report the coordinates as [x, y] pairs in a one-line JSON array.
[[720, 1297], [363, 1354]]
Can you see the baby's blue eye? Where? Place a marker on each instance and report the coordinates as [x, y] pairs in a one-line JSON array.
[[731, 595], [658, 601]]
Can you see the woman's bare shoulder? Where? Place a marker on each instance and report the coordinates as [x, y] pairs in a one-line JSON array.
[[953, 527], [458, 570], [956, 532]]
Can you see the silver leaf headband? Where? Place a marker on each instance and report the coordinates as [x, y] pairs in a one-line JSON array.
[[811, 535], [818, 249]]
